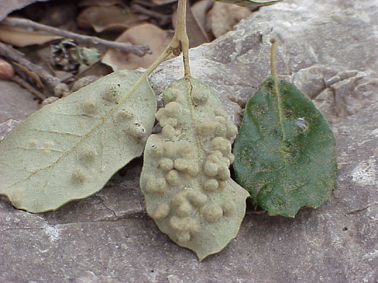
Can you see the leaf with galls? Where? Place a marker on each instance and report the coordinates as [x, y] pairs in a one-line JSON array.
[[185, 178], [69, 149], [285, 153]]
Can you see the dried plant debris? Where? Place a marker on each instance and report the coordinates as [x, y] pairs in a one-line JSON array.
[[69, 149], [195, 27], [250, 3], [186, 178], [223, 17], [22, 37], [83, 3], [109, 18], [156, 38], [6, 70]]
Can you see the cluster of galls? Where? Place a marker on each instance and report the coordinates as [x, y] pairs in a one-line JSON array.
[[186, 188], [93, 106]]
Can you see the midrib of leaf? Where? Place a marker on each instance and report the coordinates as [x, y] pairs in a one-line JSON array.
[[276, 81], [99, 124], [277, 91], [195, 127], [280, 114]]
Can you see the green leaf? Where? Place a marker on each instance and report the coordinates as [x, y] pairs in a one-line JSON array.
[[185, 176], [250, 3], [285, 151], [69, 149]]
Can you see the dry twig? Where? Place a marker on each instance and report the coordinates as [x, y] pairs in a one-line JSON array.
[[163, 19], [128, 47], [51, 82], [27, 86], [15, 55]]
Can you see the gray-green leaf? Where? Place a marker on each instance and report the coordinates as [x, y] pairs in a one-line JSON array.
[[250, 3], [285, 151], [69, 149], [185, 176]]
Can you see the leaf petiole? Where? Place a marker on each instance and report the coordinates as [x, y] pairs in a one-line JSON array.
[[179, 43]]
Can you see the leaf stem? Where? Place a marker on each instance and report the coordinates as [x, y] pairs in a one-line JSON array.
[[276, 83], [179, 42], [181, 34], [274, 75], [273, 52]]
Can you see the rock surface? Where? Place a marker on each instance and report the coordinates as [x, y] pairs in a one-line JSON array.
[[11, 110], [11, 96], [328, 49], [7, 6]]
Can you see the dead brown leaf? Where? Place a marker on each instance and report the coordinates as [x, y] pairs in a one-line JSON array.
[[30, 74], [200, 10], [145, 34], [196, 32], [22, 37], [163, 2], [109, 18], [223, 17], [84, 3]]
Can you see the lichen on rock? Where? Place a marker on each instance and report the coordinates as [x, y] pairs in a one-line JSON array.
[[185, 178]]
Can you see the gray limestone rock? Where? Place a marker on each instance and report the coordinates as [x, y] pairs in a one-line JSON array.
[[328, 49], [11, 95], [11, 110]]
